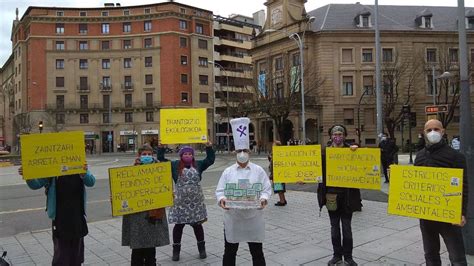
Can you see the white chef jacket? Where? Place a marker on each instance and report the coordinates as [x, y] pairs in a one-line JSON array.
[[244, 225]]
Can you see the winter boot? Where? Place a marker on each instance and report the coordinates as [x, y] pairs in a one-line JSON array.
[[202, 249], [176, 250]]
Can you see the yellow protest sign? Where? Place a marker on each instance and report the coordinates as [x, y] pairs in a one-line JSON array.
[[429, 193], [183, 126], [293, 164], [140, 188], [52, 154], [353, 169]]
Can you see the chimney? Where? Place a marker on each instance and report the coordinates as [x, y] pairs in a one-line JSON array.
[[109, 5], [117, 4]]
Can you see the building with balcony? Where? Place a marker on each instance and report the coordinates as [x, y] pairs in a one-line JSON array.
[[108, 71], [339, 53], [233, 72]]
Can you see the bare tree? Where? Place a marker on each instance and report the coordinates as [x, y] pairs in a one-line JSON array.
[[51, 121], [23, 123]]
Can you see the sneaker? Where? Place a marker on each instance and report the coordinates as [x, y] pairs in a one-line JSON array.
[[350, 262], [335, 261], [279, 203]]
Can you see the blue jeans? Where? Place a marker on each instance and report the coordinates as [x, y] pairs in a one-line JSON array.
[[344, 217], [452, 236]]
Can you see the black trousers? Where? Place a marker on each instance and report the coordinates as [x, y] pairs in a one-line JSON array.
[[68, 251], [143, 256], [344, 217], [452, 236], [178, 232], [230, 252], [385, 166]]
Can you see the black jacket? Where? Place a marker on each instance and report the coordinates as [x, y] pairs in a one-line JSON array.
[[351, 196], [388, 149], [441, 155]]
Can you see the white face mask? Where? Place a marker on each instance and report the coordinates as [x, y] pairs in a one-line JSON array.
[[242, 157], [434, 137]]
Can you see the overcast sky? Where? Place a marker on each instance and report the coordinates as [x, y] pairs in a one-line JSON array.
[[219, 7]]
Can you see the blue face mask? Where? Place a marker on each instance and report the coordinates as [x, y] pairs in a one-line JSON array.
[[146, 159]]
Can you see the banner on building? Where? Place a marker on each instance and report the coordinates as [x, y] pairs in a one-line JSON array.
[[183, 126], [292, 164], [429, 193], [353, 169], [262, 85], [52, 154], [140, 188], [295, 78]]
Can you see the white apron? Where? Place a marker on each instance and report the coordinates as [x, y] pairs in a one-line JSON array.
[[244, 226]]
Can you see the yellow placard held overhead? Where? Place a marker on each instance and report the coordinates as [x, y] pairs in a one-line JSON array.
[[353, 169], [140, 188], [52, 154], [428, 193], [183, 126], [293, 164]]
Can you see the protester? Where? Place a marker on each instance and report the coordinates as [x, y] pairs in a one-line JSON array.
[[456, 143], [243, 225], [66, 207], [189, 207], [421, 142], [437, 153], [144, 231], [278, 188], [388, 150], [341, 203]]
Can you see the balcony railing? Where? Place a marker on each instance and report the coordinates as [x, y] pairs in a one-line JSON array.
[[105, 87], [127, 87], [83, 88], [100, 107]]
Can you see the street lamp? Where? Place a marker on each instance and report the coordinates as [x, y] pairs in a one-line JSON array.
[[40, 126], [300, 42], [227, 99]]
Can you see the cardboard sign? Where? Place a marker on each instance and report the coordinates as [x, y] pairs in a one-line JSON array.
[[353, 169], [183, 126], [429, 193], [293, 164], [140, 188], [52, 154]]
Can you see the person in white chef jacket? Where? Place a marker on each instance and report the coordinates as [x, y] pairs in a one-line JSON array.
[[243, 225]]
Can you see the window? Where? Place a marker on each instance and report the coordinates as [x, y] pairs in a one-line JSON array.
[[295, 59], [106, 101], [388, 84], [83, 45], [147, 42], [347, 86], [182, 10], [348, 116], [387, 54], [105, 45], [184, 78], [105, 13], [83, 14], [83, 28], [347, 56], [150, 117], [59, 101], [202, 44], [183, 24], [365, 21], [184, 60], [59, 45], [60, 118], [83, 84], [183, 42], [203, 61], [127, 44], [106, 83], [105, 63], [149, 99], [84, 118], [127, 80], [427, 22], [472, 55], [83, 64], [147, 25], [59, 63], [203, 79], [454, 88], [105, 28], [105, 118], [126, 12], [367, 55], [148, 61], [59, 13], [127, 27], [453, 55], [128, 117], [127, 62], [184, 97], [148, 79], [431, 89], [203, 97], [128, 100], [431, 55], [199, 28], [59, 28], [368, 85], [278, 63], [369, 116], [59, 82], [84, 101], [147, 11], [470, 23], [279, 91]]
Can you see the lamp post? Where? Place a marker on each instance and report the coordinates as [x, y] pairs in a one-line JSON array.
[[300, 42], [40, 126], [227, 100]]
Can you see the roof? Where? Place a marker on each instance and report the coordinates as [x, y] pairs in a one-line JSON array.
[[335, 17]]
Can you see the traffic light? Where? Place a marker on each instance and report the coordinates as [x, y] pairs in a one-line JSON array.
[[40, 126]]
